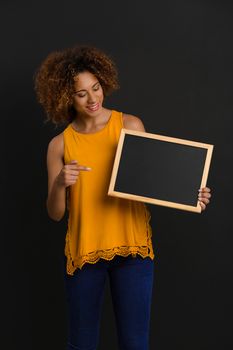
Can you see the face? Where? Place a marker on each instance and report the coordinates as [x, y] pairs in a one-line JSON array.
[[88, 96]]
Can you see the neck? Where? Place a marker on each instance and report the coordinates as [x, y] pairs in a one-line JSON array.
[[88, 123]]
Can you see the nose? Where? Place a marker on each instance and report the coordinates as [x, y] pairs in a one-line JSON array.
[[91, 98]]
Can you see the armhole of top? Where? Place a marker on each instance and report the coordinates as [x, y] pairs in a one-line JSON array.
[[68, 188], [64, 147]]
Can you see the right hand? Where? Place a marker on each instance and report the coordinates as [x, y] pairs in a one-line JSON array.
[[69, 173]]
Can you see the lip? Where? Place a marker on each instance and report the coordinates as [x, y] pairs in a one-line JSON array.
[[93, 108]]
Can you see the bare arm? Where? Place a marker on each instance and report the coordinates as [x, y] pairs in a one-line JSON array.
[[60, 176], [56, 199], [133, 123]]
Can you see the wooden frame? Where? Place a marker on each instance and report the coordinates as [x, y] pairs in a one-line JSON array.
[[112, 191]]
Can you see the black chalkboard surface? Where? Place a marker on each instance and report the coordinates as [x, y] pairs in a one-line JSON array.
[[160, 170]]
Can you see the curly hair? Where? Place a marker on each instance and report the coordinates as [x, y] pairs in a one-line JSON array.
[[54, 79]]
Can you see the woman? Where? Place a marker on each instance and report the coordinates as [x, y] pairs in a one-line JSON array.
[[106, 236]]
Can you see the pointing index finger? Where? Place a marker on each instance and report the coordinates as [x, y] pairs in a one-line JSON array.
[[82, 167]]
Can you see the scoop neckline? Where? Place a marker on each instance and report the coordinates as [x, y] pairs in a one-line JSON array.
[[96, 132]]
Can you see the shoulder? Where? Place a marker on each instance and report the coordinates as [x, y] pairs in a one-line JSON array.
[[132, 122], [56, 145]]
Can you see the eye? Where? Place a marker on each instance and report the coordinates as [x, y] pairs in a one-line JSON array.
[[96, 88]]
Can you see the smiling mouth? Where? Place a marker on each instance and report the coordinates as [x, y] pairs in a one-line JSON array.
[[94, 107]]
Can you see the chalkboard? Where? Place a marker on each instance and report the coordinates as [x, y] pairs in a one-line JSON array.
[[160, 170]]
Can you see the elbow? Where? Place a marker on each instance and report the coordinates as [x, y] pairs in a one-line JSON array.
[[56, 218], [55, 215]]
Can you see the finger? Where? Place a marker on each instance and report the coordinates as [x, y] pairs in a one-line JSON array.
[[204, 200], [70, 168], [204, 189], [206, 195], [71, 178], [203, 206], [72, 183], [72, 164], [73, 172], [82, 167], [76, 167]]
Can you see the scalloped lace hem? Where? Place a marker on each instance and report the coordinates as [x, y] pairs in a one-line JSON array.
[[107, 254]]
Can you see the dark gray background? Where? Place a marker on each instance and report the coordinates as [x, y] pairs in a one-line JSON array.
[[175, 67]]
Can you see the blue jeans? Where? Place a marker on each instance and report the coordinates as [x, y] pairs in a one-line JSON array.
[[131, 283]]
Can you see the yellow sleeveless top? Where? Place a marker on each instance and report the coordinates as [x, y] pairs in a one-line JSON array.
[[101, 226]]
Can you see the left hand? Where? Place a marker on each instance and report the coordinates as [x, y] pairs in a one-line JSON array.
[[204, 197]]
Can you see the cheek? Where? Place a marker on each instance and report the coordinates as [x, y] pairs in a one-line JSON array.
[[101, 94], [78, 102]]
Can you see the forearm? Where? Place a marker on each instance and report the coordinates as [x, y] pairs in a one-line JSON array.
[[56, 202]]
